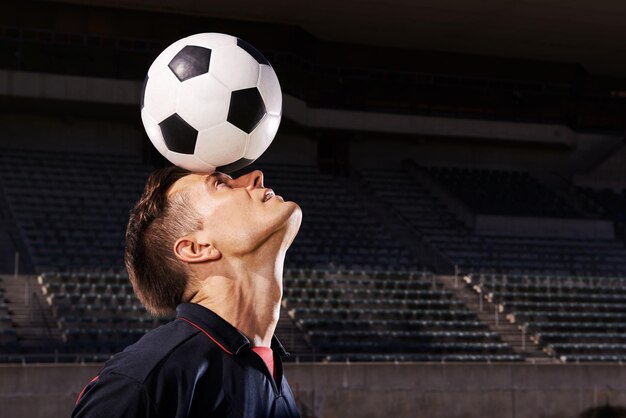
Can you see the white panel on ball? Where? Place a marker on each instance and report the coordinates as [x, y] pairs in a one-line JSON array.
[[262, 136], [163, 84], [154, 132], [209, 40], [242, 70], [202, 101], [269, 87], [221, 145], [189, 162]]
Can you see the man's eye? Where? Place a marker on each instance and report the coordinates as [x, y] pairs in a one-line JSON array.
[[218, 182]]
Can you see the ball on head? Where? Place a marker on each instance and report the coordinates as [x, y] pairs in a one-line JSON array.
[[210, 102]]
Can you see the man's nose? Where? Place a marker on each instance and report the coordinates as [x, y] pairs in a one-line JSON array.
[[255, 179]]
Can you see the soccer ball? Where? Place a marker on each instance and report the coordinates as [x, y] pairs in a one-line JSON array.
[[211, 102]]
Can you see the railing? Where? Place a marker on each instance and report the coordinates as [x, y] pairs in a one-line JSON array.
[[43, 317]]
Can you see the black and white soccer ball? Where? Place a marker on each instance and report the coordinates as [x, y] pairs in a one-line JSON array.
[[211, 102]]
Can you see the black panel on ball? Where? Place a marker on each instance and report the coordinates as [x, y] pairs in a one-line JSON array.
[[246, 109], [143, 91], [252, 51], [179, 136], [237, 165], [191, 61]]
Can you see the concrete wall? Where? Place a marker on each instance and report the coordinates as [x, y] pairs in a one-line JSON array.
[[89, 135], [373, 390], [101, 90], [376, 139], [384, 151]]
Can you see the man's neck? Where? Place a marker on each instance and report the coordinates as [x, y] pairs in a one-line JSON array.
[[248, 297]]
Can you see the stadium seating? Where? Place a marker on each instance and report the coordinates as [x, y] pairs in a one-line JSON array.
[[70, 223], [358, 315], [71, 208], [342, 314], [613, 202], [336, 232], [352, 290], [414, 203], [98, 312], [570, 318], [503, 192]]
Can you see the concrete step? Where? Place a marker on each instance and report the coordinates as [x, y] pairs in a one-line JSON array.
[[33, 319], [486, 312]]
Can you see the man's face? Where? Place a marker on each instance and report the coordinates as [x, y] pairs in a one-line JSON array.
[[237, 216]]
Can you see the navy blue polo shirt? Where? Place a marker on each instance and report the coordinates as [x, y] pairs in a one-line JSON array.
[[197, 365]]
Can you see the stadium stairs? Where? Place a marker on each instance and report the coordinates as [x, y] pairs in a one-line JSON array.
[[487, 312], [11, 239], [36, 327], [291, 337], [395, 223]]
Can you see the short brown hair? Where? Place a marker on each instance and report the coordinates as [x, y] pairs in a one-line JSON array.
[[159, 279]]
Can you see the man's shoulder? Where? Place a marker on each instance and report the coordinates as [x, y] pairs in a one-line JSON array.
[[139, 360]]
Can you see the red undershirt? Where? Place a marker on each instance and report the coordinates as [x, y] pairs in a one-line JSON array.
[[267, 355]]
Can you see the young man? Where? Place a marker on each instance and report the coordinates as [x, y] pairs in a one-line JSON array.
[[211, 248]]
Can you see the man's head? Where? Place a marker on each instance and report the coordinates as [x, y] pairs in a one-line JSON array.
[[185, 221]]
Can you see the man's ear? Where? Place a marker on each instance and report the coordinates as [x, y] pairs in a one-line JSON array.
[[188, 249]]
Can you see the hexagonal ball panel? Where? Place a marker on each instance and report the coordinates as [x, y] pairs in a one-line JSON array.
[[234, 68], [246, 109], [190, 62], [221, 144], [252, 51], [203, 102], [178, 135]]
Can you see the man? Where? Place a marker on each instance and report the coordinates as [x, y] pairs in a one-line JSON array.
[[211, 248]]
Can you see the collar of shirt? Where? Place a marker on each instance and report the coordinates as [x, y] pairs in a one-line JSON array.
[[229, 338]]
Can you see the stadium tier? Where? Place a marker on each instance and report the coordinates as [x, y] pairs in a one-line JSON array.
[[337, 231], [612, 204], [414, 201], [354, 82], [353, 290], [97, 312], [407, 316], [570, 318], [503, 192], [71, 209], [342, 315]]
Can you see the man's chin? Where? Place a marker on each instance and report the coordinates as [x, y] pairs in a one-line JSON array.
[[291, 221]]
